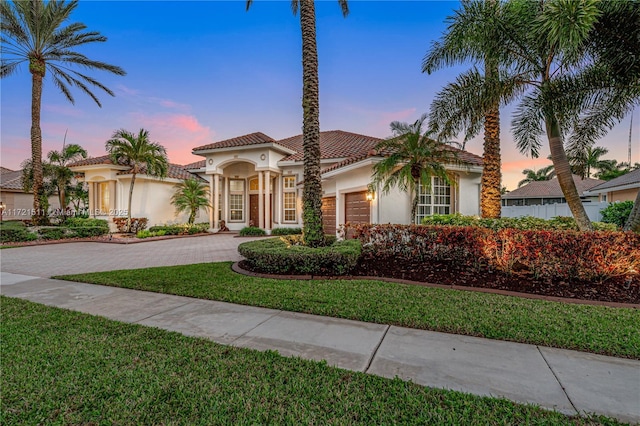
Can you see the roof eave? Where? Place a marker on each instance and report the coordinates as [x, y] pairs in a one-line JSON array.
[[594, 191], [275, 146]]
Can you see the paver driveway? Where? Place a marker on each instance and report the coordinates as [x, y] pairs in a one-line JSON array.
[[75, 258]]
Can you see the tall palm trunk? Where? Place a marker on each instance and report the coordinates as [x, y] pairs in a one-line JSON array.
[[491, 181], [37, 69], [62, 198], [133, 180], [633, 222], [311, 198], [563, 172], [491, 173]]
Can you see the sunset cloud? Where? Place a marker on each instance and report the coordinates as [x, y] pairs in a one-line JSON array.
[[178, 133]]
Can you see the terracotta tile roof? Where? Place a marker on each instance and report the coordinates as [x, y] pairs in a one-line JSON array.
[[175, 171], [627, 179], [92, 161], [195, 165], [333, 144], [11, 179], [250, 139], [550, 188], [463, 156]]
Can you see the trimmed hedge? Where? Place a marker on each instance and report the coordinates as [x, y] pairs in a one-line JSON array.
[[286, 231], [73, 228], [524, 223], [279, 256], [16, 234], [252, 231], [553, 255], [181, 229]]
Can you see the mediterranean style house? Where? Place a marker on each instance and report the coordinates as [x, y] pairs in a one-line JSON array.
[[257, 180]]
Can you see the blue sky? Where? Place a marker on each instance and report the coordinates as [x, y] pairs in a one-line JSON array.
[[203, 71]]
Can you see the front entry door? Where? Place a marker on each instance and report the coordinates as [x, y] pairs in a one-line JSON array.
[[254, 211]]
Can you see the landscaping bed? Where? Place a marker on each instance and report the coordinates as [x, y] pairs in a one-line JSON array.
[[449, 273], [601, 266]]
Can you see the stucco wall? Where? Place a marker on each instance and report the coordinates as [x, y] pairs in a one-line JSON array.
[[625, 195], [19, 205]]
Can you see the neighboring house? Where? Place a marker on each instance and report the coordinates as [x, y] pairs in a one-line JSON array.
[[18, 204], [622, 188], [257, 180], [548, 192], [109, 185]]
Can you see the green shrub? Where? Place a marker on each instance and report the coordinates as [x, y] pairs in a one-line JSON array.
[[16, 234], [252, 231], [182, 229], [286, 231], [280, 256], [525, 223], [601, 226], [74, 222], [87, 231], [145, 233], [617, 213], [52, 233]]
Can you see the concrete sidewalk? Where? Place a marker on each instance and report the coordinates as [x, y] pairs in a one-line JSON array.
[[567, 381]]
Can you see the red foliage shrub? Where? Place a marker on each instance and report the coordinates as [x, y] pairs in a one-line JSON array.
[[548, 255], [137, 224]]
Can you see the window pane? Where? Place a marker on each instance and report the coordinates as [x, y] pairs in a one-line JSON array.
[[104, 197], [236, 185], [289, 204], [253, 185], [289, 182]]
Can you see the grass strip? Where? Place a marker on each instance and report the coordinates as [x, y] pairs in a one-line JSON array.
[[596, 329], [64, 367]]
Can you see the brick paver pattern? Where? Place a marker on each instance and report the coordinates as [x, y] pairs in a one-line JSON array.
[[81, 257]]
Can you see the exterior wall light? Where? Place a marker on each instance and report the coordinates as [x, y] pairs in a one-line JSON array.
[[371, 195]]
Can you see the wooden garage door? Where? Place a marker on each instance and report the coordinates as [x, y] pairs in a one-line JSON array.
[[357, 209], [329, 215]]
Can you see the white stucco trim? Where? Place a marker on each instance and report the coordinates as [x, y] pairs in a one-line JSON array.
[[272, 145], [612, 189], [358, 164]]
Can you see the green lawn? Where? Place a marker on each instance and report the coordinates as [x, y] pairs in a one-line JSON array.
[[63, 367], [609, 331]]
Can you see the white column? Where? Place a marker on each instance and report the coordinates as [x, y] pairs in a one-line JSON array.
[[211, 197], [260, 223], [225, 206], [267, 207], [216, 202]]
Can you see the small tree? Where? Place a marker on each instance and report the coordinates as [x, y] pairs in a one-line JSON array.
[[61, 174], [411, 158], [139, 153], [190, 196]]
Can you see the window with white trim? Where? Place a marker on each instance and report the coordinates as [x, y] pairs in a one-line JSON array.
[[437, 200], [104, 198], [289, 198], [236, 200]]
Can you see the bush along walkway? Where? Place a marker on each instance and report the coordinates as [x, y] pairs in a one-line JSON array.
[[566, 381]]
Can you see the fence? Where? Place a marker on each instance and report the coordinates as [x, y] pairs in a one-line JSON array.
[[548, 211]]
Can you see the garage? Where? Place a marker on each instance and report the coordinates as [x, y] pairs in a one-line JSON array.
[[329, 215], [356, 208]]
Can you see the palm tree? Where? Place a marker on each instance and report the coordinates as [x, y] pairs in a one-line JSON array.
[[35, 32], [553, 51], [313, 232], [138, 153], [47, 190], [411, 159], [473, 36], [582, 161], [190, 196], [62, 176], [545, 173]]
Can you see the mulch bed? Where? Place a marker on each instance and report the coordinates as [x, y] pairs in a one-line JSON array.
[[618, 290]]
